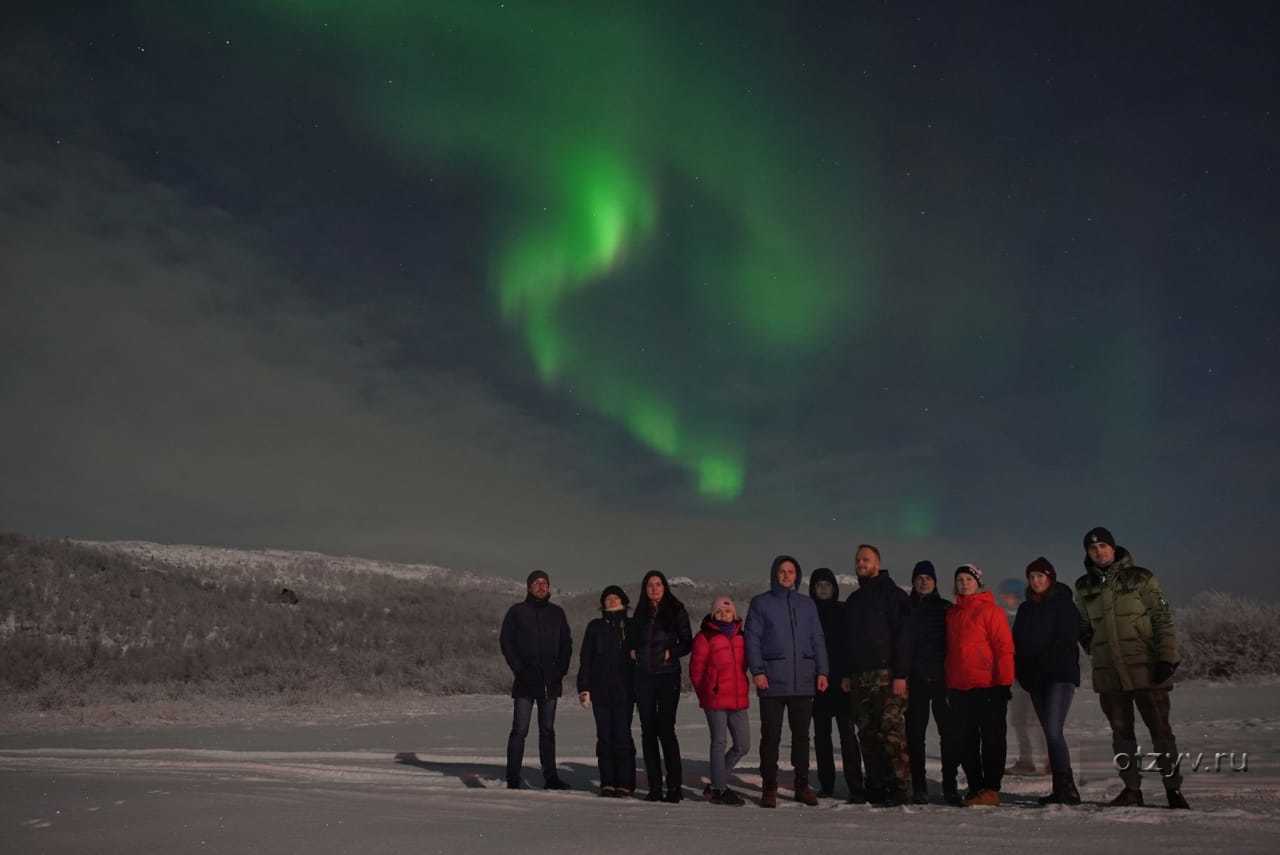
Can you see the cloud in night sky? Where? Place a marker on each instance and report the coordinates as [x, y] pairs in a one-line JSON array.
[[248, 302]]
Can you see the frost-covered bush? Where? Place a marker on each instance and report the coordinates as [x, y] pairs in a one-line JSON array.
[[1225, 636]]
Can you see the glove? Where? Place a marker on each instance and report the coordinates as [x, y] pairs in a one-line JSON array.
[[1162, 671]]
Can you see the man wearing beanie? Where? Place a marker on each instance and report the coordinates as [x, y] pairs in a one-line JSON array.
[[537, 646], [1127, 630], [927, 686], [1127, 627]]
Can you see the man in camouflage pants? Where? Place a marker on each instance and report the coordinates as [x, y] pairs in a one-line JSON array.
[[1127, 629], [878, 646]]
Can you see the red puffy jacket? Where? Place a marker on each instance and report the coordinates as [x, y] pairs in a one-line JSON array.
[[979, 644], [718, 667]]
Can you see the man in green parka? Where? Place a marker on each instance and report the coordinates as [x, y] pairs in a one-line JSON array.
[[1126, 627]]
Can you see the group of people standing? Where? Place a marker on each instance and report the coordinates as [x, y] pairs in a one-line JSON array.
[[878, 665]]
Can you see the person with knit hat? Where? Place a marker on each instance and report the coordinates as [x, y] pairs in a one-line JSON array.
[[718, 672], [979, 668], [537, 645], [927, 686], [1047, 663], [1022, 715], [787, 658], [1127, 630], [606, 685], [659, 635]]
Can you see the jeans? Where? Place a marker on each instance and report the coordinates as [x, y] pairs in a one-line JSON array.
[[546, 737], [1052, 702], [922, 694], [615, 749], [799, 709], [657, 696], [726, 724], [1153, 704], [834, 705], [980, 723]]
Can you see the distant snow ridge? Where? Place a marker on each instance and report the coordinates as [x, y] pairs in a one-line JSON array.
[[291, 567]]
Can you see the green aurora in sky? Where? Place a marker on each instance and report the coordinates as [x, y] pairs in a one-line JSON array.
[[650, 185]]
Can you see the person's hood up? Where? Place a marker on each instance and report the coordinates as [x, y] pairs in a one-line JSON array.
[[773, 573], [823, 574]]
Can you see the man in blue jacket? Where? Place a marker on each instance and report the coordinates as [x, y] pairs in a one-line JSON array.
[[787, 658]]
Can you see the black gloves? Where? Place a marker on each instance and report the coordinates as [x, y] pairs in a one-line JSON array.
[[1162, 671]]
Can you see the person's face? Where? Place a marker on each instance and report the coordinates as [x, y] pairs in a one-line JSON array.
[[924, 585], [966, 584], [1102, 554], [725, 614], [866, 563], [654, 589], [1009, 601], [824, 590], [1039, 581], [787, 574], [541, 588], [612, 603]]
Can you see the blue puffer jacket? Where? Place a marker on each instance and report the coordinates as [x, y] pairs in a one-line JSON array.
[[784, 638]]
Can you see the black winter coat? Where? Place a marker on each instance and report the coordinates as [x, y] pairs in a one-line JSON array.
[[930, 653], [831, 615], [605, 668], [1044, 640], [879, 631], [653, 639], [538, 648]]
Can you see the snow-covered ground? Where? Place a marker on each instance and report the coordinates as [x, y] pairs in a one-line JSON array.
[[424, 775]]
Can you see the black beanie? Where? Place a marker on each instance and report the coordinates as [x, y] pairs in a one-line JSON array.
[[535, 575], [1042, 565], [1099, 535], [924, 568], [616, 591]]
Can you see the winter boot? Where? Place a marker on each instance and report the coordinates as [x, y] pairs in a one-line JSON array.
[[1176, 800], [920, 797], [674, 796], [857, 796], [554, 783], [805, 794], [983, 798], [729, 797], [769, 798], [1127, 797]]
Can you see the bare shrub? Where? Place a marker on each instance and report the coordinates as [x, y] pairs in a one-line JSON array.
[[1224, 636]]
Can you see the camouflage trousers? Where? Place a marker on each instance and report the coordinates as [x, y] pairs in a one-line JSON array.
[[880, 718]]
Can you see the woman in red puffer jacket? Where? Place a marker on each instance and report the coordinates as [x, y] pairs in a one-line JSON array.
[[979, 669], [718, 671]]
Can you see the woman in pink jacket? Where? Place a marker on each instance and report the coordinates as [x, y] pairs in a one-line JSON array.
[[718, 671], [979, 668]]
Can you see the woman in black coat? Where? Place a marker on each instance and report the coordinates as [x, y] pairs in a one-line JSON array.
[[606, 685], [1047, 663], [659, 635]]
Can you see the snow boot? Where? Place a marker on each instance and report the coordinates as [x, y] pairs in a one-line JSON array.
[[1127, 798], [1176, 800], [769, 798]]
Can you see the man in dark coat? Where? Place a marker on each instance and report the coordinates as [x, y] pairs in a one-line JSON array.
[[537, 645], [879, 634], [927, 686], [787, 658], [824, 590], [1127, 630]]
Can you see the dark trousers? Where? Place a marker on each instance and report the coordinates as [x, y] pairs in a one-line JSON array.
[[1153, 704], [982, 729], [1052, 702], [656, 699], [834, 705], [798, 709], [923, 695], [615, 749], [546, 736]]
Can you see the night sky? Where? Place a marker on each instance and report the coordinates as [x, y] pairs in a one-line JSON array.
[[515, 285]]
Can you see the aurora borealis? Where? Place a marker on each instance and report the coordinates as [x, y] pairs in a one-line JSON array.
[[574, 285]]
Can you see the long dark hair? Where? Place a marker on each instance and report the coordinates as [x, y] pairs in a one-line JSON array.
[[668, 607]]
